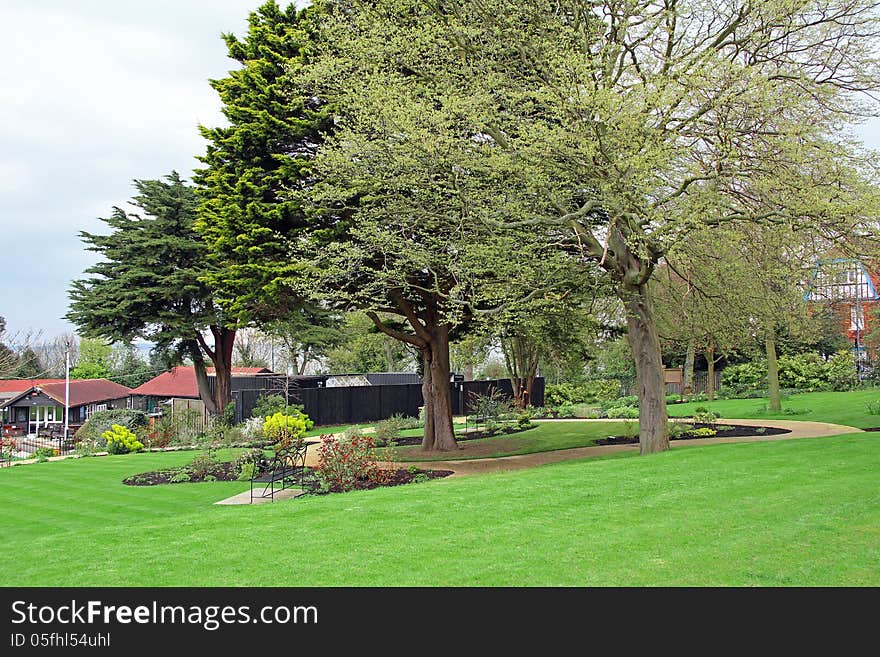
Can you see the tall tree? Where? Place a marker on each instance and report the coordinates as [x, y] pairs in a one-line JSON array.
[[407, 176], [150, 286], [94, 361], [635, 123], [247, 215]]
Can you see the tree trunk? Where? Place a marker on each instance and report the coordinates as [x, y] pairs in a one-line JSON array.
[[710, 374], [224, 341], [773, 371], [687, 382], [220, 354], [389, 356], [202, 381], [436, 388], [653, 433], [469, 371]]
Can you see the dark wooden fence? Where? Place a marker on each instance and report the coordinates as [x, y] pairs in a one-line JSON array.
[[351, 404]]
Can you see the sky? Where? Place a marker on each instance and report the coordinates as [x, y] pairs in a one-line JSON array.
[[94, 94]]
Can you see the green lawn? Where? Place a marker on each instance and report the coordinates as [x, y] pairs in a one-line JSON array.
[[545, 437], [799, 512], [849, 408]]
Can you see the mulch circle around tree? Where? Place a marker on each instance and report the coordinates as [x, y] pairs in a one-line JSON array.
[[735, 431], [470, 435], [228, 471]]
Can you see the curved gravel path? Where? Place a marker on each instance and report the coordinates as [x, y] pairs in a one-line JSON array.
[[504, 463]]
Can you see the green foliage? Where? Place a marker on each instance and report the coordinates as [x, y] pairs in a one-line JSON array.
[[629, 400], [94, 361], [494, 405], [806, 372], [703, 432], [181, 476], [524, 421], [873, 407], [600, 390], [703, 415], [100, 421], [389, 429], [149, 282], [292, 427], [202, 464], [362, 348], [42, 454], [252, 164], [121, 440], [566, 411], [623, 412], [629, 429], [272, 404], [675, 429]]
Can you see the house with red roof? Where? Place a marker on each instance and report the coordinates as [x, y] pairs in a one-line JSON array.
[[40, 408], [180, 383], [10, 388]]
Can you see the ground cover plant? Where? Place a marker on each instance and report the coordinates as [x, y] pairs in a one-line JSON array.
[[798, 512]]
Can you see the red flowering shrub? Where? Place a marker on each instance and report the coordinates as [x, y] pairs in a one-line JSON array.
[[343, 463], [7, 447]]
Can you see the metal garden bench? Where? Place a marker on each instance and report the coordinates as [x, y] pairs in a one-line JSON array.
[[286, 467]]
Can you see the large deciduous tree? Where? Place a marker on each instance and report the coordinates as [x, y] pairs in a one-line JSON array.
[[150, 285], [632, 124]]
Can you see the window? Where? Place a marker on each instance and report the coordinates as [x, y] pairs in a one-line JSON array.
[[857, 319]]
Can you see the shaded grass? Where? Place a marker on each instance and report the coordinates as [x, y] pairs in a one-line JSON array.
[[799, 512], [545, 437], [848, 408]]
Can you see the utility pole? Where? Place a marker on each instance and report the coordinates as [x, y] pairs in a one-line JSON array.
[[66, 389]]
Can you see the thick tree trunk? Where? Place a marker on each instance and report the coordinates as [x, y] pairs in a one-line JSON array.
[[224, 342], [203, 382], [773, 371], [710, 374], [221, 358], [653, 433], [436, 389], [687, 383]]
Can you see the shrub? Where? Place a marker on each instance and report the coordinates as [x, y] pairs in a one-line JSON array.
[[673, 399], [181, 476], [286, 428], [703, 432], [121, 440], [494, 405], [272, 404], [245, 464], [581, 393], [703, 415], [524, 421], [390, 428], [565, 411], [629, 400], [629, 429], [801, 372], [675, 429], [202, 464], [252, 428], [102, 421], [42, 454], [179, 428], [623, 411], [7, 447], [341, 464]]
